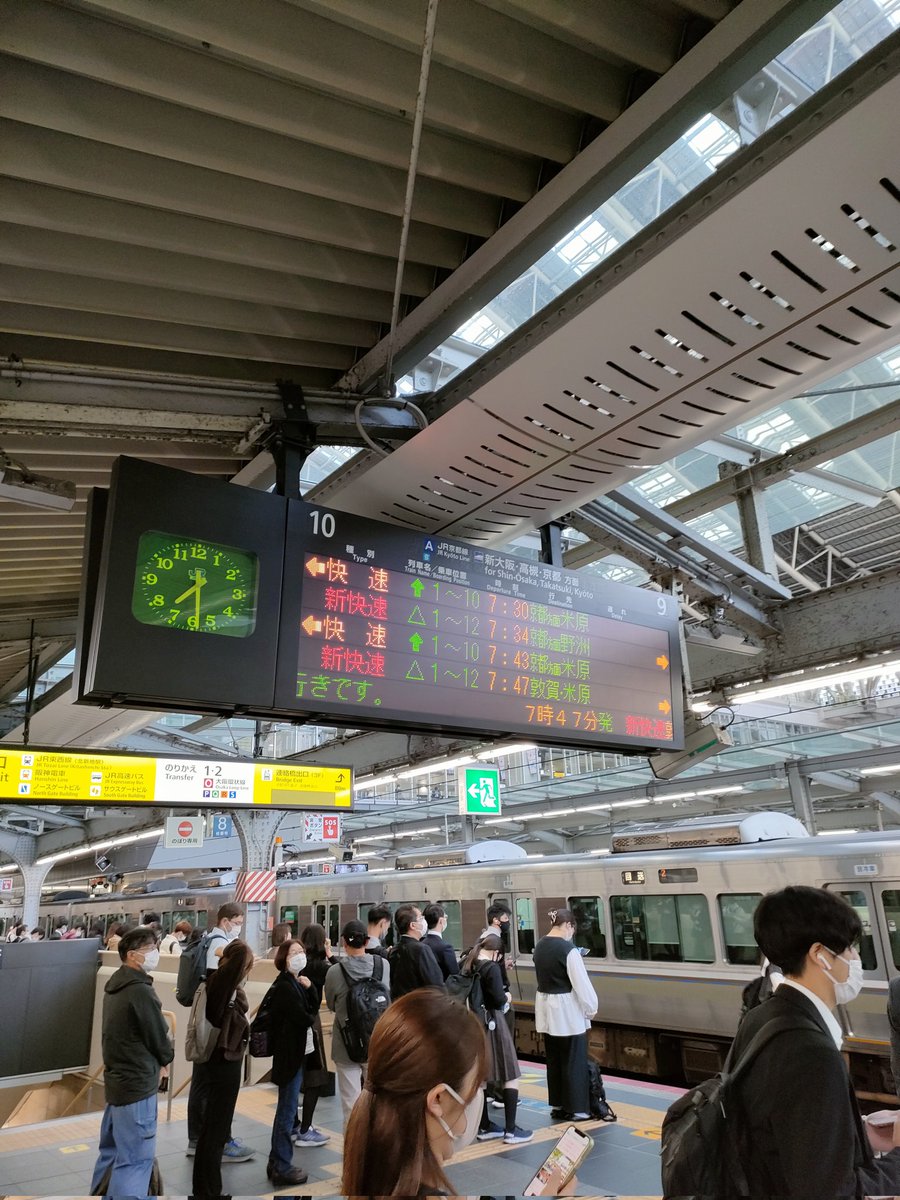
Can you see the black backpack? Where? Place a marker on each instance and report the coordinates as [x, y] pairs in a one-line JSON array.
[[367, 999], [192, 967], [260, 1044], [700, 1151], [757, 990], [466, 988], [599, 1108]]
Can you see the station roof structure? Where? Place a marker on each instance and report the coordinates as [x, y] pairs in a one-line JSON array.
[[660, 255]]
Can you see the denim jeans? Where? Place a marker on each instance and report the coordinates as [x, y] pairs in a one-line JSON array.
[[281, 1156], [128, 1145]]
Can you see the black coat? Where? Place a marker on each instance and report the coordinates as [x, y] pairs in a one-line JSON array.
[[135, 1037], [801, 1135], [413, 966], [443, 952], [293, 1010]]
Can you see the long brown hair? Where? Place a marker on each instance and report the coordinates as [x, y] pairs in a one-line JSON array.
[[490, 942], [423, 1039], [236, 961]]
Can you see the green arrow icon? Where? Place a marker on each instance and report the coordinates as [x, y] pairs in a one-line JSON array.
[[418, 587], [416, 642]]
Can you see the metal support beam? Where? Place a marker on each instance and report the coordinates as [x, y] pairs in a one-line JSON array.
[[766, 584], [889, 801], [755, 531], [551, 544]]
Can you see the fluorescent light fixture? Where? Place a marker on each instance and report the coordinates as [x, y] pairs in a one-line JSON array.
[[448, 764], [503, 751], [420, 832], [388, 837], [374, 780], [40, 491], [702, 707], [891, 769], [837, 832], [9, 867], [81, 851], [501, 820], [534, 856], [598, 851], [629, 803], [556, 812], [810, 682], [375, 837]]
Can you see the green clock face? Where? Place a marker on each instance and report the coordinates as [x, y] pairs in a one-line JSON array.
[[194, 585]]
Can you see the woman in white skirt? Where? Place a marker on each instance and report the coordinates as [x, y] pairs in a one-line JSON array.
[[563, 1007], [502, 1060]]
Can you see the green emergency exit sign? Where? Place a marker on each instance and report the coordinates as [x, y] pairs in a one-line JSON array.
[[479, 791]]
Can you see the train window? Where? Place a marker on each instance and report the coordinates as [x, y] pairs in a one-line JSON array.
[[890, 900], [736, 910], [662, 928], [290, 916], [859, 902], [525, 924], [590, 924]]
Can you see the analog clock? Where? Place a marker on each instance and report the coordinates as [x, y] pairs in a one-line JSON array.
[[194, 585]]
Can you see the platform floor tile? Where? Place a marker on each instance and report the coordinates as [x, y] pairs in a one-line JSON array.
[[56, 1159]]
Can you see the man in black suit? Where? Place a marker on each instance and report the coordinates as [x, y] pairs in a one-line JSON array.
[[800, 1131], [436, 920], [412, 964]]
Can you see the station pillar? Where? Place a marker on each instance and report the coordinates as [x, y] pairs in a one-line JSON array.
[[256, 830], [22, 850]]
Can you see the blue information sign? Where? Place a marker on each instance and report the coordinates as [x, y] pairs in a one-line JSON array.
[[220, 826]]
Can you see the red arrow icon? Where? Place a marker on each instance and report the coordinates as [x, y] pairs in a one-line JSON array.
[[311, 625], [663, 662], [315, 567], [664, 707]]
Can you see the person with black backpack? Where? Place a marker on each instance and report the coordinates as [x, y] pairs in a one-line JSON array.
[[782, 1119], [502, 1059], [357, 991]]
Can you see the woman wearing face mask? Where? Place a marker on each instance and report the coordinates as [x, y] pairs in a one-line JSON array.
[[293, 1003], [563, 1007], [226, 1009], [421, 1101], [315, 1072], [173, 942], [502, 1060]]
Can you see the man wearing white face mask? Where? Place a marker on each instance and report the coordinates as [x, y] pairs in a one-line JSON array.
[[800, 1132], [413, 964], [136, 1051]]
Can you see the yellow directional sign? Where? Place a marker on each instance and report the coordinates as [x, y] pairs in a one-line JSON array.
[[41, 776]]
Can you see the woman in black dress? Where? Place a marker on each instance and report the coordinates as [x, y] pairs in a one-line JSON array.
[[315, 1073], [503, 1062]]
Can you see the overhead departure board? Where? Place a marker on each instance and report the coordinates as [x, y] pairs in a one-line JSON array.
[[380, 625], [201, 596]]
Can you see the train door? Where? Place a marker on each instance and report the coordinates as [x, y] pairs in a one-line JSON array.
[[861, 899], [889, 919], [328, 914], [522, 922]]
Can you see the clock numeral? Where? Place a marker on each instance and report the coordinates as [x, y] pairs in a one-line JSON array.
[[174, 613], [150, 578], [228, 612], [217, 558], [180, 552], [192, 622], [231, 574], [158, 601], [198, 552], [163, 564], [238, 593], [210, 621]]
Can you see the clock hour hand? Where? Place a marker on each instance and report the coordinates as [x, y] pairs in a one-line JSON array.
[[195, 587]]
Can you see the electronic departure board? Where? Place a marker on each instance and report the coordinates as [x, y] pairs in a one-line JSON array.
[[383, 626], [201, 596]]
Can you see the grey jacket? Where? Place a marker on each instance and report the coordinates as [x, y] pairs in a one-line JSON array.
[[336, 989]]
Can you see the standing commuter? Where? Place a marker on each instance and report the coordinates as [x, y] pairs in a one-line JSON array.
[[412, 964], [379, 919], [172, 942], [502, 1060], [226, 1010], [356, 964], [436, 920], [280, 934], [114, 936], [564, 1003], [152, 921], [293, 1008], [228, 928], [893, 1012], [315, 1071], [136, 1053], [801, 1135], [499, 915]]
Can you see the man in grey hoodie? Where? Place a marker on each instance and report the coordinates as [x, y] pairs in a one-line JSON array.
[[356, 964], [136, 1049]]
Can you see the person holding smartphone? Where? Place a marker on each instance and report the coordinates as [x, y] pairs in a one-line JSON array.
[[556, 1174], [563, 1007]]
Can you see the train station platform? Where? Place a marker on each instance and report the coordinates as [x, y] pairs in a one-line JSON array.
[[56, 1158]]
